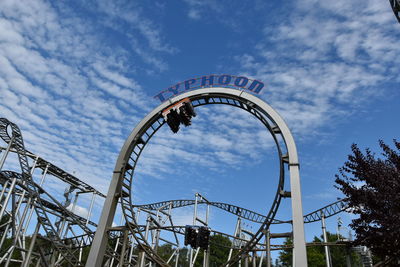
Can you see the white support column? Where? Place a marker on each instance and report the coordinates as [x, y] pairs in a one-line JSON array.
[[328, 259], [5, 154], [299, 248], [268, 247]]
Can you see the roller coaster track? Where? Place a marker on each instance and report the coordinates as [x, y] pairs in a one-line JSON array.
[[396, 8], [241, 212], [53, 206], [328, 211], [60, 173], [34, 192], [153, 124]]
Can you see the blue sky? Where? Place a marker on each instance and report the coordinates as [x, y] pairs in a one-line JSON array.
[[77, 76]]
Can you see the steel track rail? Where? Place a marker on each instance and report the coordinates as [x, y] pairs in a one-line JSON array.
[[153, 125], [56, 209], [60, 173], [328, 211], [235, 210], [120, 190]]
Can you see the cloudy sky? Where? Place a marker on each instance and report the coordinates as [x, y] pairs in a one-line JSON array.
[[77, 76]]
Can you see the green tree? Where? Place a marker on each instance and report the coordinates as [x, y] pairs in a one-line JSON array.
[[285, 256], [316, 254], [219, 250], [372, 187], [166, 250]]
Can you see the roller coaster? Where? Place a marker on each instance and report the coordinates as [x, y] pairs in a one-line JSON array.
[[38, 230]]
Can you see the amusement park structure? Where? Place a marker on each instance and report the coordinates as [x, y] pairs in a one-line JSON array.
[[121, 185], [37, 229]]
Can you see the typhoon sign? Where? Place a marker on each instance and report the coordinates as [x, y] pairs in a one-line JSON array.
[[225, 80]]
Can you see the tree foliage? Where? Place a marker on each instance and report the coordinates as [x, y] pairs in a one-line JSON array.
[[316, 254], [219, 250], [372, 188]]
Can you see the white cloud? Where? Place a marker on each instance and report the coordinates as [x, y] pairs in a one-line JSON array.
[[325, 61], [220, 137], [197, 8], [184, 216], [53, 66], [130, 14], [78, 210]]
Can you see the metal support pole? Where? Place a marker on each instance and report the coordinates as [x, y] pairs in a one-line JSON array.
[[115, 252], [73, 211], [195, 255], [195, 209], [235, 235], [53, 258], [254, 259], [100, 239], [131, 251], [299, 243], [177, 257], [116, 245], [31, 209], [22, 219], [348, 257], [13, 215], [4, 235], [17, 232], [31, 246], [206, 259], [86, 224], [5, 203], [3, 191], [90, 209], [5, 154], [263, 254], [268, 241], [124, 245], [146, 235], [327, 251], [6, 253], [24, 228], [191, 263]]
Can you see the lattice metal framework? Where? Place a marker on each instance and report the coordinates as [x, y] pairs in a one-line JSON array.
[[30, 196], [328, 211], [241, 212], [55, 220], [21, 198]]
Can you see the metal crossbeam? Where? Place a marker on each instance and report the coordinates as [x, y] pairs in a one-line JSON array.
[[51, 207], [59, 173], [328, 211], [236, 210]]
